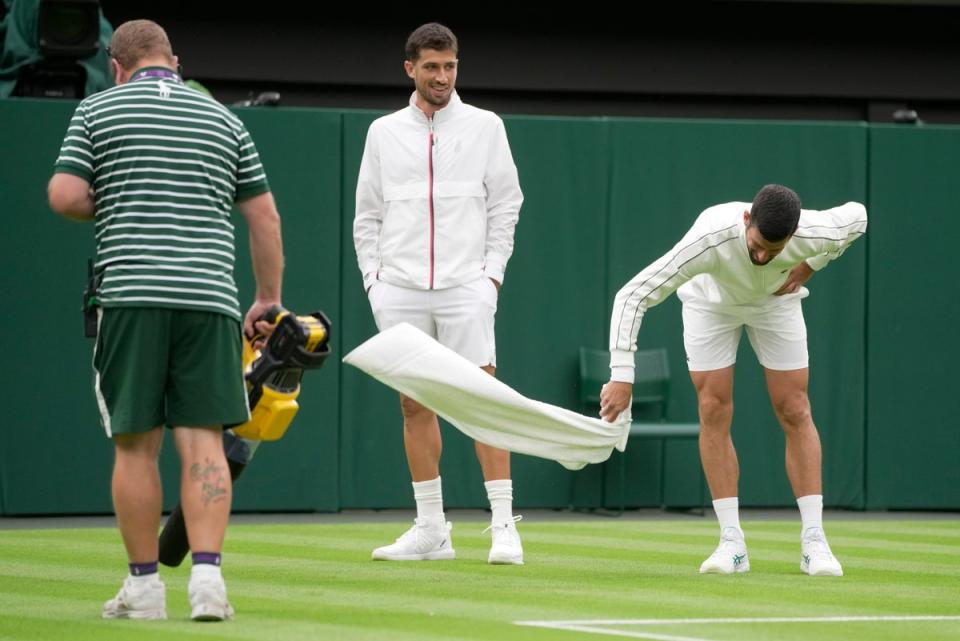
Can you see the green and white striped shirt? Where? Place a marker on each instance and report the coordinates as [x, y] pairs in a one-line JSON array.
[[166, 163]]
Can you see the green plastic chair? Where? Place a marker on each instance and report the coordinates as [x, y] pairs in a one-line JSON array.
[[651, 392]]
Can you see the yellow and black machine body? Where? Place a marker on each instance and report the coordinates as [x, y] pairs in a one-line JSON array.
[[273, 374]]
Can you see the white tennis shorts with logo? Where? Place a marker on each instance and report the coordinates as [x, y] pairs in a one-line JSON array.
[[460, 318], [776, 329]]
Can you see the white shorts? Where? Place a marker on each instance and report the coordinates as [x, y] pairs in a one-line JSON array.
[[460, 318], [776, 331]]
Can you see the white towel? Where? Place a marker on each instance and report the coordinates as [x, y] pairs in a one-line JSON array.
[[480, 406]]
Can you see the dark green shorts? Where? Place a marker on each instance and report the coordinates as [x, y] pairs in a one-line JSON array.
[[173, 367]]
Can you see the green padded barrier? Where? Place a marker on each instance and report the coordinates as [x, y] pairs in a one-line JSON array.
[[373, 468], [553, 289], [300, 149], [548, 306], [604, 197], [54, 457], [913, 409], [665, 172]]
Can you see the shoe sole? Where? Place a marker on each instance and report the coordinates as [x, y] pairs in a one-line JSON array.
[[744, 567], [441, 555], [505, 561], [218, 614], [820, 573], [145, 615]]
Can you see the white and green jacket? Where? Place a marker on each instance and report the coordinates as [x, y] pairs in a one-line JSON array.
[[713, 266]]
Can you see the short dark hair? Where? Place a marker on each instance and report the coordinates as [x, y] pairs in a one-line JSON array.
[[775, 212], [137, 40], [432, 35]]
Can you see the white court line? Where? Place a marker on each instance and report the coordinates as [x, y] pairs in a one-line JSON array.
[[843, 619], [620, 633], [590, 625], [614, 633]]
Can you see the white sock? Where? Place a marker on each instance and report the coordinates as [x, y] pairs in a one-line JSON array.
[[429, 497], [811, 511], [728, 513], [500, 494], [143, 579], [205, 570]]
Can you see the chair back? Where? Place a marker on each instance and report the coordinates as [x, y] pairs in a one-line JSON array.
[[651, 387]]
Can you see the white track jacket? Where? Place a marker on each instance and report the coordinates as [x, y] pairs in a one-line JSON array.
[[713, 266], [437, 198]]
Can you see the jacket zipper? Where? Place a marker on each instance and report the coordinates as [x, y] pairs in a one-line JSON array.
[[430, 195]]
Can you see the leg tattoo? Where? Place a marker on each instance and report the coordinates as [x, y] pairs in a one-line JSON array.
[[213, 480]]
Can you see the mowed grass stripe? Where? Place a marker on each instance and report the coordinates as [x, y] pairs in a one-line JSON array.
[[281, 608], [348, 583], [789, 631], [611, 546], [309, 545], [316, 581], [373, 534]]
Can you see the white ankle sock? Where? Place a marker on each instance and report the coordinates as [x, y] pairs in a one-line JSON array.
[[144, 579], [811, 511], [728, 512], [205, 571], [500, 494], [429, 497]]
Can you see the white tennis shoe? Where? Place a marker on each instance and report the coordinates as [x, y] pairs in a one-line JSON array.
[[428, 540], [730, 557], [505, 547], [816, 559], [138, 599], [208, 595]]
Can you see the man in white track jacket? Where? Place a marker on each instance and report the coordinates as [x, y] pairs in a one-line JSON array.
[[743, 265], [437, 201]]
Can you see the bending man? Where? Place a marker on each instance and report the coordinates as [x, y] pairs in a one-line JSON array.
[[743, 265]]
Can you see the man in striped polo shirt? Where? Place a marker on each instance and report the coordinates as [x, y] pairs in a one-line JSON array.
[[157, 166]]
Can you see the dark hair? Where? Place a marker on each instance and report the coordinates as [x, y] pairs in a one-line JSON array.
[[432, 35], [775, 212]]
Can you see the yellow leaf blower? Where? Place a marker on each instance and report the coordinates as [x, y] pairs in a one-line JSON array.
[[273, 376]]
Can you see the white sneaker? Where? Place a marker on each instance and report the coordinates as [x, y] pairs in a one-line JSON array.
[[505, 548], [730, 556], [428, 540], [816, 559], [138, 599], [208, 597]]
